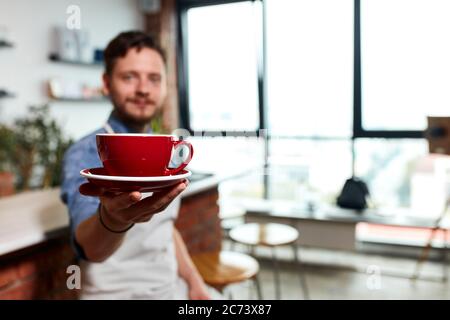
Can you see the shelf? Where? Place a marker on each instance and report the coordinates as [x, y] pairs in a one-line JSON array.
[[55, 58], [93, 100], [6, 44]]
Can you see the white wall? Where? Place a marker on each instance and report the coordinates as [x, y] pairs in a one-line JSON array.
[[25, 68]]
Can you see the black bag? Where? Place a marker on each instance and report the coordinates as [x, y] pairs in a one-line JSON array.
[[353, 195]]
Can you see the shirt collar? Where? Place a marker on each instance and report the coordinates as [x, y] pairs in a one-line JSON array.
[[119, 126]]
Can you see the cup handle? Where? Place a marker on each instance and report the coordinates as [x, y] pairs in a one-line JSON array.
[[177, 144]]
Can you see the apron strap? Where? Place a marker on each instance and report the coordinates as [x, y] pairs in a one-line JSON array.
[[108, 128]]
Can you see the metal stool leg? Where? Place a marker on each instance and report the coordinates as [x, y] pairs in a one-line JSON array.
[[445, 255], [428, 247], [424, 254], [252, 251], [231, 244], [301, 272], [258, 287], [226, 291], [276, 273]]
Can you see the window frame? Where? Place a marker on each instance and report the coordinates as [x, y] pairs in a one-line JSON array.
[[183, 84], [358, 130], [183, 71]]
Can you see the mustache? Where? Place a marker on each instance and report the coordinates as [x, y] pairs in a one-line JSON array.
[[140, 100]]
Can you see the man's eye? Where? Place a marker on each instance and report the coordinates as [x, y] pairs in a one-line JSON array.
[[128, 77], [155, 79]]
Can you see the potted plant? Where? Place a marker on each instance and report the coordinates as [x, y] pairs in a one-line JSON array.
[[7, 142], [39, 146]]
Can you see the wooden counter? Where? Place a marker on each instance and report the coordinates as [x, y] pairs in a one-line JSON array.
[[29, 218]]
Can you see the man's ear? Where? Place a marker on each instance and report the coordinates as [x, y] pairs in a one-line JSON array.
[[106, 84]]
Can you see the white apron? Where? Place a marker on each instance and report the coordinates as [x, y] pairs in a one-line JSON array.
[[144, 266]]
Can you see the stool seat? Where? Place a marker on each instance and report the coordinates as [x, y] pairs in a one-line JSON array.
[[268, 234], [219, 269]]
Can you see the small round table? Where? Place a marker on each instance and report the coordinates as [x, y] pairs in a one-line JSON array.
[[220, 269], [271, 235]]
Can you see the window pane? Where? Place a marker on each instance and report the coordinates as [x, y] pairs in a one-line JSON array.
[[401, 173], [301, 170], [405, 62], [222, 66], [243, 158], [310, 67]]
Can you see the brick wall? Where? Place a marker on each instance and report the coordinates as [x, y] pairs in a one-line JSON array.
[[39, 272], [199, 223], [6, 184]]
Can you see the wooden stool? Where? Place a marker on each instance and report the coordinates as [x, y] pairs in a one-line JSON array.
[[220, 269], [271, 235]]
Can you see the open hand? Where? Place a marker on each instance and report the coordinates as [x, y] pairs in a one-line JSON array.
[[120, 210]]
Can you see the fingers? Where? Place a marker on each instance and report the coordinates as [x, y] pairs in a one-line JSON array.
[[130, 205], [165, 190], [89, 189], [156, 203], [147, 216], [120, 201], [162, 199]]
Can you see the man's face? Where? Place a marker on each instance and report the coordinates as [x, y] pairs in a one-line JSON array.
[[137, 85]]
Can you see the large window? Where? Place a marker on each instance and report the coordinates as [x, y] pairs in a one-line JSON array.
[[222, 67], [310, 67], [327, 72], [309, 76], [383, 64], [405, 65]]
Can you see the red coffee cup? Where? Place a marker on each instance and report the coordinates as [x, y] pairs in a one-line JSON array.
[[140, 155]]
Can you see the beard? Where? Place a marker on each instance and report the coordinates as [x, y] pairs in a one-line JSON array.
[[139, 118]]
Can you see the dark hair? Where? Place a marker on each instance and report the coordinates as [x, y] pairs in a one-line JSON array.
[[119, 46]]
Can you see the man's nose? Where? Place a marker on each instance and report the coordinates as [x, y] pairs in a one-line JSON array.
[[143, 88]]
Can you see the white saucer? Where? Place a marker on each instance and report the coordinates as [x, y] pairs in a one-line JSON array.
[[94, 173], [98, 177]]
